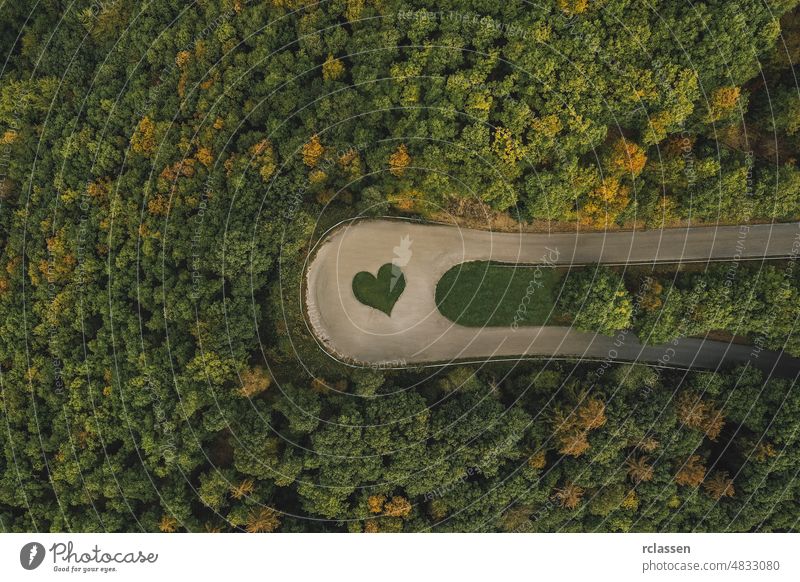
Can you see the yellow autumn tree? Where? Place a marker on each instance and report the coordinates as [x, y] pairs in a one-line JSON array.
[[350, 162], [264, 157], [631, 501], [320, 385], [243, 489], [548, 126], [399, 160], [723, 100], [332, 68], [168, 524], [538, 460], [626, 159], [506, 146], [397, 507], [316, 177], [312, 151], [572, 7], [158, 205], [658, 125], [143, 140], [182, 58], [606, 202], [99, 189], [254, 381], [375, 503], [406, 201], [204, 156], [354, 9]]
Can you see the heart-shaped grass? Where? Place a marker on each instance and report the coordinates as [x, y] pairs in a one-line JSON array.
[[380, 292]]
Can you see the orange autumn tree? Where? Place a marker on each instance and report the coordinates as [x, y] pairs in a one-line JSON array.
[[398, 507], [375, 503], [719, 485], [406, 201], [538, 460], [569, 496], [263, 520], [243, 489], [626, 158], [571, 428], [698, 414], [692, 472]]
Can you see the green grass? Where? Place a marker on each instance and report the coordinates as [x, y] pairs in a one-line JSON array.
[[481, 294], [380, 292]]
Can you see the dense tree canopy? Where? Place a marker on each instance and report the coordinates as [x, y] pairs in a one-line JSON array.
[[166, 167]]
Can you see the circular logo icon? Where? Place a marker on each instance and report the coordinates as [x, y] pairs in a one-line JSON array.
[[31, 555]]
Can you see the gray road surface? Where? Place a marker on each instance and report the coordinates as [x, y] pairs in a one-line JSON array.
[[416, 333]]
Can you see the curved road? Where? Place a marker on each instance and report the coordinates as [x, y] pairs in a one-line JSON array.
[[416, 333]]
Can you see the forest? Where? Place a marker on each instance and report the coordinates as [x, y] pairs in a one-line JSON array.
[[166, 169]]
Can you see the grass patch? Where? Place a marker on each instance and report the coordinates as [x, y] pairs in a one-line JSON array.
[[380, 292], [481, 293]]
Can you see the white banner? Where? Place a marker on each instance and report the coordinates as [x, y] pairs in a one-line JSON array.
[[350, 557]]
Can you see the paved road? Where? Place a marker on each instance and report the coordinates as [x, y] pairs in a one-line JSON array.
[[416, 333]]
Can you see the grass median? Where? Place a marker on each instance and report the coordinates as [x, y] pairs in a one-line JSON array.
[[481, 293]]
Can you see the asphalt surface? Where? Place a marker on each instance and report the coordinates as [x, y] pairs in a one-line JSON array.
[[416, 333]]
